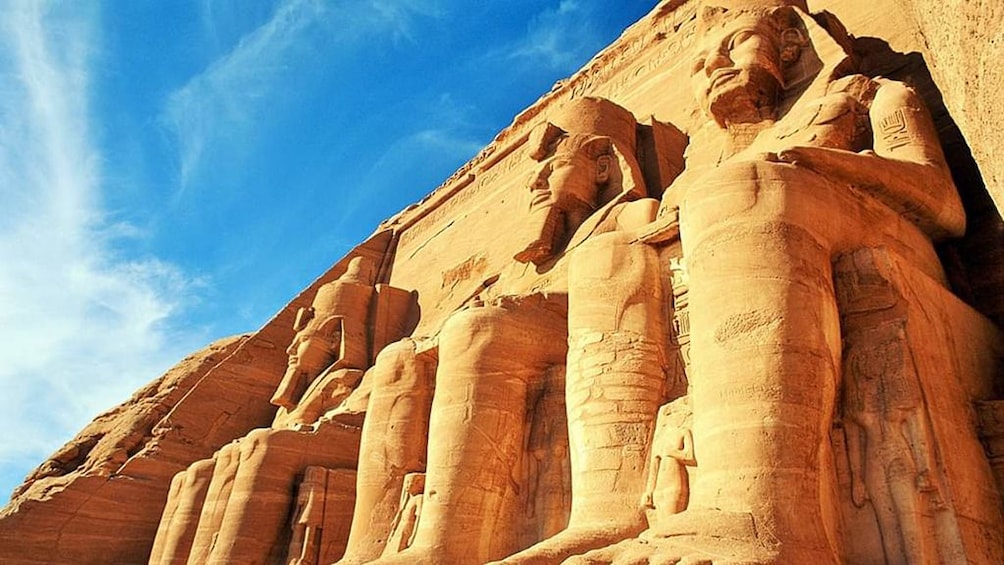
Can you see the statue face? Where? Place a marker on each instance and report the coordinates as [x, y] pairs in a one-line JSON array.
[[737, 77], [567, 174], [309, 353]]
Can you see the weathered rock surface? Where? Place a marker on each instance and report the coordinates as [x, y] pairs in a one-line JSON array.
[[83, 497], [728, 294]]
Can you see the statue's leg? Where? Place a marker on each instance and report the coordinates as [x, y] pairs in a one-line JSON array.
[[765, 350], [394, 441], [167, 517], [255, 523], [216, 502], [614, 386], [181, 515], [489, 357]]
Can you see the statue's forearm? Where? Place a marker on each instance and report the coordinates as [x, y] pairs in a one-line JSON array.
[[923, 192]]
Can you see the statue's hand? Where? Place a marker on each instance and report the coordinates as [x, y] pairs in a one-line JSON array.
[[663, 229], [836, 163]]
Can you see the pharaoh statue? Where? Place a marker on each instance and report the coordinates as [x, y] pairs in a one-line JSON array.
[[800, 162], [711, 350], [248, 488], [331, 339], [480, 428]]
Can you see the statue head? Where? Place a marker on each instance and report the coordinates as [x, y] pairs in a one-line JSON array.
[[318, 340], [585, 154], [744, 49], [577, 147], [578, 165]]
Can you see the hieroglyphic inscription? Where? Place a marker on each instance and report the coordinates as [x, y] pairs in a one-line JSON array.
[[446, 209], [674, 34], [469, 268], [894, 129]]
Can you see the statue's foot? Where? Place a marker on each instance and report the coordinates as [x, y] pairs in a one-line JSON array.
[[683, 550], [572, 541], [693, 537]]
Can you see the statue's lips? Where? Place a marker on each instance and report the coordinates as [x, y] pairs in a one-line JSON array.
[[721, 76]]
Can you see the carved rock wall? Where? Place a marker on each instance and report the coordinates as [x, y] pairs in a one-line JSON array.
[[456, 249]]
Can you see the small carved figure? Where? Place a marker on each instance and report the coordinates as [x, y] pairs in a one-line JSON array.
[[668, 488], [409, 512], [890, 446], [308, 519]]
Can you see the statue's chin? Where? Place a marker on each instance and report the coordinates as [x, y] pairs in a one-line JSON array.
[[746, 101]]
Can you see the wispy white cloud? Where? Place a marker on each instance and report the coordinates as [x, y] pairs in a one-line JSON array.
[[81, 325], [559, 38], [219, 109]]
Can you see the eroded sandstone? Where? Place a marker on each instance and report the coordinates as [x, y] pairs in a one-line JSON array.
[[727, 295]]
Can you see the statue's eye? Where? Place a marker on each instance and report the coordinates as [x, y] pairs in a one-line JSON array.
[[739, 37]]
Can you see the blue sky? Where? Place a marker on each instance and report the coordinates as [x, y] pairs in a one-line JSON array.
[[175, 172]]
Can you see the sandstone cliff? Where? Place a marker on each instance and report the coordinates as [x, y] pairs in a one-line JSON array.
[[490, 270]]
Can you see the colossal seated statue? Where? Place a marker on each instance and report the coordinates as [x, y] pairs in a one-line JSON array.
[[767, 366], [248, 489], [802, 163], [493, 359]]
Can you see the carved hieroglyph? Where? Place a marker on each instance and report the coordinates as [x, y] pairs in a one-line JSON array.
[[701, 320]]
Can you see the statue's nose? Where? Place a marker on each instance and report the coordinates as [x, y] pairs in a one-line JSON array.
[[717, 60]]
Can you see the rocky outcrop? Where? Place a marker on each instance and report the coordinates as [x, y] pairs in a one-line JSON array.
[[94, 499]]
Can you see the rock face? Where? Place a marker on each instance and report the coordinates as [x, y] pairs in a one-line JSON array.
[[727, 295]]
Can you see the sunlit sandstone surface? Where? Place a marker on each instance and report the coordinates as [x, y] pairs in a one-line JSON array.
[[730, 294]]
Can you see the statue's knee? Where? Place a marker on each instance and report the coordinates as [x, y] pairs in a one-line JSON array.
[[257, 441], [396, 365], [472, 331], [611, 256]]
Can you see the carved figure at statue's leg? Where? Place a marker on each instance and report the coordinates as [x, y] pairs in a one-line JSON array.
[[667, 490], [491, 357], [890, 447], [409, 512], [181, 515], [615, 382], [394, 443], [308, 517]]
